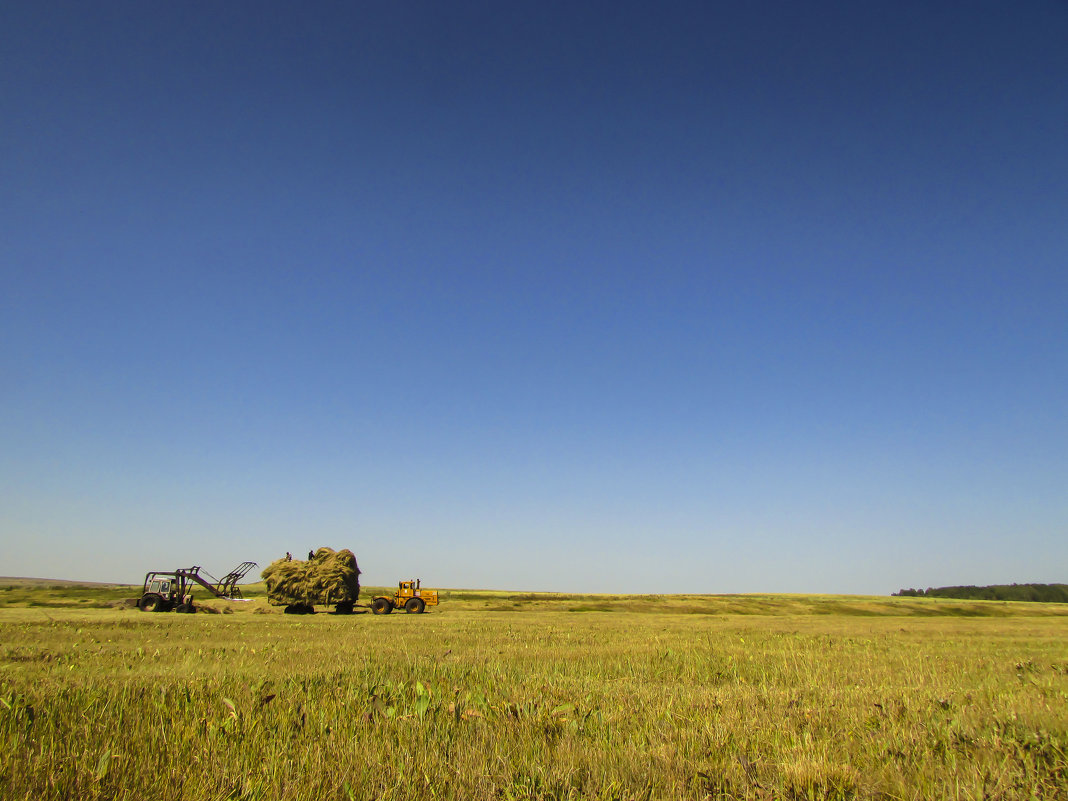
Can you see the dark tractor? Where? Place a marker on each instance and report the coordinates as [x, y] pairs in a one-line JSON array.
[[165, 590]]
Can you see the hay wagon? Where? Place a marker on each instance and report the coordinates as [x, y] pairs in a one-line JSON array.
[[326, 578]]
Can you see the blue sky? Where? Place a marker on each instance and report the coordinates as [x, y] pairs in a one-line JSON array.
[[621, 297]]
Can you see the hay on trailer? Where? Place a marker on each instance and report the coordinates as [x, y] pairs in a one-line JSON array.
[[328, 577]]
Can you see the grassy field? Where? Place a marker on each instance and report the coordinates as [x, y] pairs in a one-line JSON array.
[[502, 696]]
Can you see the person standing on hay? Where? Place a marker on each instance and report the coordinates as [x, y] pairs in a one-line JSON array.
[[311, 555], [289, 556]]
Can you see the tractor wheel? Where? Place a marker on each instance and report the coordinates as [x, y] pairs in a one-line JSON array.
[[152, 602], [381, 606], [300, 609], [185, 609], [414, 606], [344, 608]]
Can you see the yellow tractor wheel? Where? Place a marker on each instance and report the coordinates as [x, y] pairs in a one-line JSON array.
[[414, 606], [381, 606]]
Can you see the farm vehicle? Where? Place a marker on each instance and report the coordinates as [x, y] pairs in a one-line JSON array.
[[332, 578], [165, 590], [326, 578], [410, 596]]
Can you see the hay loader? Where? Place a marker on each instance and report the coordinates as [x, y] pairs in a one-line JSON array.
[[165, 590], [410, 596]]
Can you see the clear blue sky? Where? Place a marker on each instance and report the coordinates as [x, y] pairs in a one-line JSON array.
[[703, 297]]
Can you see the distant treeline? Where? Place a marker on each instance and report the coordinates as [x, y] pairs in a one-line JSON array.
[[1044, 593]]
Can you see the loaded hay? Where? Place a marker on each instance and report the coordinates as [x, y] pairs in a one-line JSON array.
[[328, 577]]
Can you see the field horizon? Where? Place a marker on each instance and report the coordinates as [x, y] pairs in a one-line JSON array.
[[59, 593]]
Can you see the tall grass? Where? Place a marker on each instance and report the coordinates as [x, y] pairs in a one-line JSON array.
[[544, 703]]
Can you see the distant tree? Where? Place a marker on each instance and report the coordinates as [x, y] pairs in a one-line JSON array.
[[1043, 593]]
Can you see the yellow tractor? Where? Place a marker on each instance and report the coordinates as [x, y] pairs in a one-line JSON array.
[[410, 597]]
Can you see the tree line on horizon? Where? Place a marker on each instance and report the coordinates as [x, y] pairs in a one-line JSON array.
[[1042, 593]]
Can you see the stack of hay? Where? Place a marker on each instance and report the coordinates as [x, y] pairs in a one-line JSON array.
[[328, 577]]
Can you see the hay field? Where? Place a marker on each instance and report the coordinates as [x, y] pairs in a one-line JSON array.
[[503, 696]]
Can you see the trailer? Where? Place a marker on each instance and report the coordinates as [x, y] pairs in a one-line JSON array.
[[326, 578]]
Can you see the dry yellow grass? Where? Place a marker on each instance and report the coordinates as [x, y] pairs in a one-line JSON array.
[[543, 703]]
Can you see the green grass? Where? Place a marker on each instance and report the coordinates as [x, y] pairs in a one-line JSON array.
[[57, 594], [553, 697]]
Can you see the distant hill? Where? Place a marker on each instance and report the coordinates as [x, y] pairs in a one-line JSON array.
[[27, 581], [1042, 593]]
